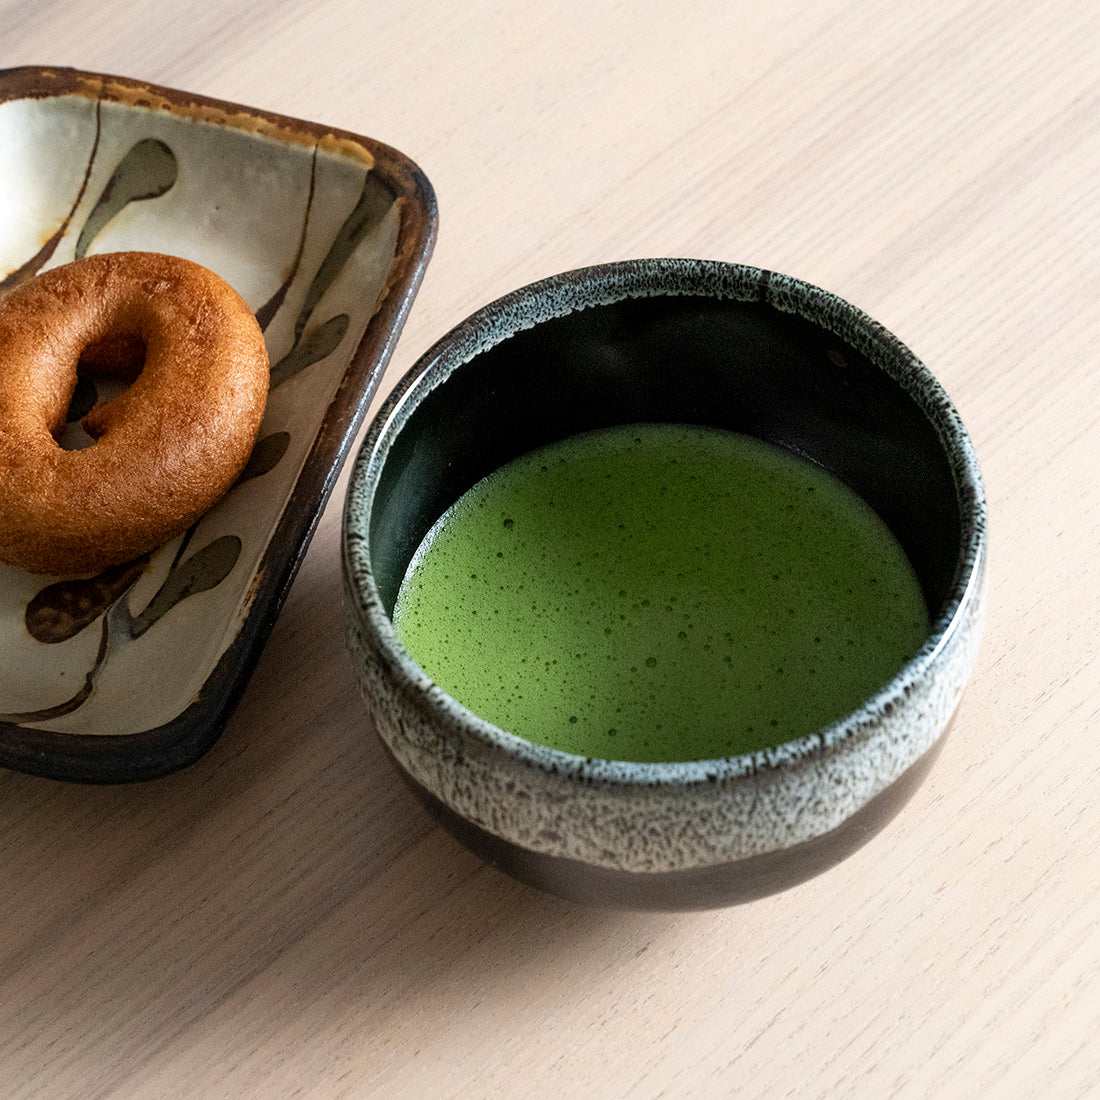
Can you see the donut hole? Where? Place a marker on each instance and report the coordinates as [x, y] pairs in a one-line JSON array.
[[105, 370]]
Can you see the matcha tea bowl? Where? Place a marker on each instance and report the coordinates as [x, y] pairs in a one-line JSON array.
[[663, 580]]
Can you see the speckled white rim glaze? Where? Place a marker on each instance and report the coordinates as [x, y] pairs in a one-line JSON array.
[[662, 817]]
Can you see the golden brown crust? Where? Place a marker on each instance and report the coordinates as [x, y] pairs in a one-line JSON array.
[[167, 448]]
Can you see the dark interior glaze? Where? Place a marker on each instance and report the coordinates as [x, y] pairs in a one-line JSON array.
[[742, 366]]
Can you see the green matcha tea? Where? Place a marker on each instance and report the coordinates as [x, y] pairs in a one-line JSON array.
[[660, 592]]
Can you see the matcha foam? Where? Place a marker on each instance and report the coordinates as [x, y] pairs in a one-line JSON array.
[[660, 592]]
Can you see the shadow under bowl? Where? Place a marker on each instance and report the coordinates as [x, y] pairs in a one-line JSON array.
[[687, 342]]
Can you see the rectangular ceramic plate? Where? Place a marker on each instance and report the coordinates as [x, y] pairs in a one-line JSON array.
[[326, 235]]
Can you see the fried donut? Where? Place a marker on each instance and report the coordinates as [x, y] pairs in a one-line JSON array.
[[165, 450]]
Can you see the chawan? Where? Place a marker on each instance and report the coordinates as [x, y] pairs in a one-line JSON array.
[[669, 341]]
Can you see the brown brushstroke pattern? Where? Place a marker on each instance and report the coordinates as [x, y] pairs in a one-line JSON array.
[[60, 611], [370, 208], [266, 313], [266, 455], [42, 256], [205, 569], [319, 344], [365, 215], [85, 692], [148, 170]]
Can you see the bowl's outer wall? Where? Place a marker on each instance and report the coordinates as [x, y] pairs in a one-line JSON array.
[[877, 407], [691, 887]]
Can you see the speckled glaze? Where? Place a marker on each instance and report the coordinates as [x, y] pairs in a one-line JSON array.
[[700, 833]]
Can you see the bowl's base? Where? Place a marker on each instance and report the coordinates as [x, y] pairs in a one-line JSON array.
[[697, 888]]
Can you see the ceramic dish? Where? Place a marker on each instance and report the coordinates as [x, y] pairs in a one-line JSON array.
[[325, 234], [684, 342]]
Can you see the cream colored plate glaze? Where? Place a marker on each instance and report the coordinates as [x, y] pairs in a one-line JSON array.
[[314, 234]]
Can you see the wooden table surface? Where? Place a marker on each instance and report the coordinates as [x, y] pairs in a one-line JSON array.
[[281, 919]]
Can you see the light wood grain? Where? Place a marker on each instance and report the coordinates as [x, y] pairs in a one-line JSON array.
[[282, 920]]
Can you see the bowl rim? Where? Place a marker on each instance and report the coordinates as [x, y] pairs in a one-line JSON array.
[[605, 284]]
